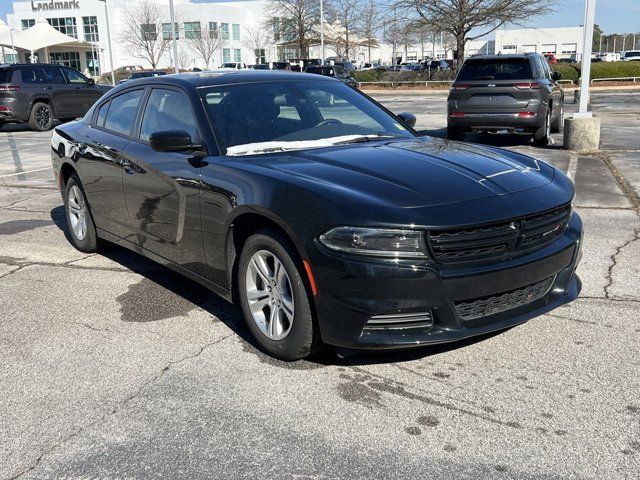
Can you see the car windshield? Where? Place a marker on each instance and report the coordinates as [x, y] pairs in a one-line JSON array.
[[268, 117], [495, 69]]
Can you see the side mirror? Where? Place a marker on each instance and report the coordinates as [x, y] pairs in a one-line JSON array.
[[91, 81], [556, 76], [408, 118], [171, 141]]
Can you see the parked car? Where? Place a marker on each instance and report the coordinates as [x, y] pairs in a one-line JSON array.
[[272, 66], [435, 65], [346, 64], [631, 56], [334, 71], [517, 93], [337, 225], [39, 93], [143, 74], [566, 60], [234, 65], [551, 58]]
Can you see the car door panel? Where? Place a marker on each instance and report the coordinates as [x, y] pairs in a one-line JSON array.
[[62, 94]]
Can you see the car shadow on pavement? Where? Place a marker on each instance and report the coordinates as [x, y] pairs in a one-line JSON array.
[[146, 301], [495, 140], [21, 127]]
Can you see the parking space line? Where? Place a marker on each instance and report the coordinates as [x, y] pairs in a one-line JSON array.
[[25, 172]]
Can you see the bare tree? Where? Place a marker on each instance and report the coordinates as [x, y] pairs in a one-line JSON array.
[[257, 39], [295, 21], [370, 24], [460, 17], [205, 43], [184, 59], [346, 13], [141, 32]]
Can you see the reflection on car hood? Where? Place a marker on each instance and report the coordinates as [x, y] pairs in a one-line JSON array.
[[415, 172]]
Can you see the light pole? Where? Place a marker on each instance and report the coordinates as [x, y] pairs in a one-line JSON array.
[[624, 41], [321, 32], [106, 16], [589, 15], [173, 36], [13, 47]]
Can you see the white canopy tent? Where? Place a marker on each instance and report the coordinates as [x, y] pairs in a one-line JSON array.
[[39, 37]]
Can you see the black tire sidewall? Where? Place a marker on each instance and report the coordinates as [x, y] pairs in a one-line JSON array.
[[90, 242], [300, 341], [540, 137]]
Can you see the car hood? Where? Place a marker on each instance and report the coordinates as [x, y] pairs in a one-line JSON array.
[[414, 172]]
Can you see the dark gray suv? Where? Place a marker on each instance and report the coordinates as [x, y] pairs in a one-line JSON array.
[[39, 93], [517, 93]]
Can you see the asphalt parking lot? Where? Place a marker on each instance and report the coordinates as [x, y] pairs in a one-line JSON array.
[[113, 367]]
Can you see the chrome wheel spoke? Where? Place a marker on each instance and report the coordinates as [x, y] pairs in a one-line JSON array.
[[77, 213], [273, 322]]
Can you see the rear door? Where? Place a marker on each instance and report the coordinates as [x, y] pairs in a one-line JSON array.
[[162, 189], [494, 85]]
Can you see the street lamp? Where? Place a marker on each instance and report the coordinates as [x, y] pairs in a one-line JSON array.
[[173, 36], [13, 47], [106, 16], [321, 32], [589, 15]]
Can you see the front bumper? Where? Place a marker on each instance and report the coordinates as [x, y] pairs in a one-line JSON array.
[[352, 291]]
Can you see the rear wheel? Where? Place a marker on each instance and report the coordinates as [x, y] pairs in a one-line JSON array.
[[80, 227], [274, 297], [41, 118], [556, 124], [541, 136], [455, 133]]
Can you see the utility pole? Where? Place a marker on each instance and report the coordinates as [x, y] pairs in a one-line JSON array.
[[590, 6], [173, 36], [106, 16], [624, 41], [322, 32]]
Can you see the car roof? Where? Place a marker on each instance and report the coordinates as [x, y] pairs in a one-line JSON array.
[[503, 57], [216, 78]]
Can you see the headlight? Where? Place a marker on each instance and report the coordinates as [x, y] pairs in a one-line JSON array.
[[377, 242]]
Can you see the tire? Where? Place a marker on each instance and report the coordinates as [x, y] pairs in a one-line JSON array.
[[292, 334], [556, 124], [41, 117], [80, 226], [455, 133], [541, 136]]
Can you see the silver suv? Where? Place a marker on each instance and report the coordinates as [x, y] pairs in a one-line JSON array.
[[517, 93]]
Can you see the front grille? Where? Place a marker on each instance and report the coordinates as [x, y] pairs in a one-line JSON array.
[[501, 239], [401, 320], [483, 307]]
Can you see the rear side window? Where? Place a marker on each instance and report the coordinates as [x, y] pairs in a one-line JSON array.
[[32, 75], [496, 69], [5, 75], [102, 114], [54, 75], [122, 114]]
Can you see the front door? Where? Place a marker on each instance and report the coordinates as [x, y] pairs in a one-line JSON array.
[[162, 189], [62, 96], [85, 93]]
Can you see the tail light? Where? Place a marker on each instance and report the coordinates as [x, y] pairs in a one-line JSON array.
[[527, 85], [4, 109], [457, 114], [460, 86], [526, 114], [9, 88]]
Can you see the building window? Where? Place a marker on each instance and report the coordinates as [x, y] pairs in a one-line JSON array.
[[28, 23], [261, 55], [166, 31], [93, 63], [213, 29], [509, 47], [226, 55], [237, 55], [224, 29], [235, 31], [65, 25], [70, 59], [149, 31], [90, 27], [192, 30]]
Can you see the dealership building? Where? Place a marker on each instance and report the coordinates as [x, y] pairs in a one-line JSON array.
[[564, 42], [86, 20]]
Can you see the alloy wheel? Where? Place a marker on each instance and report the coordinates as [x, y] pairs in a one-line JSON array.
[[270, 295], [77, 212], [43, 117]]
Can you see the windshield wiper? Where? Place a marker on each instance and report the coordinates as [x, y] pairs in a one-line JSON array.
[[364, 138]]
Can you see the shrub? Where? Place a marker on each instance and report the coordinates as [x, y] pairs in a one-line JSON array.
[[571, 71]]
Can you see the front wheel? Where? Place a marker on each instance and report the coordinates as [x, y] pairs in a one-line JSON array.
[[274, 298], [80, 227]]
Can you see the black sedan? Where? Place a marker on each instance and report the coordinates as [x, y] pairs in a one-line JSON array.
[[328, 222]]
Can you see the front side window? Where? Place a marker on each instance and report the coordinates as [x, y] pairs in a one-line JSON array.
[[498, 69], [192, 30], [224, 31], [168, 110], [284, 114], [122, 113], [75, 77]]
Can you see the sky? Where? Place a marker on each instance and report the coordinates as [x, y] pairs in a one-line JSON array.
[[614, 16]]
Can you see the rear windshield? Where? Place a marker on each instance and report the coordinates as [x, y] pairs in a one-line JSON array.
[[5, 75], [496, 69]]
